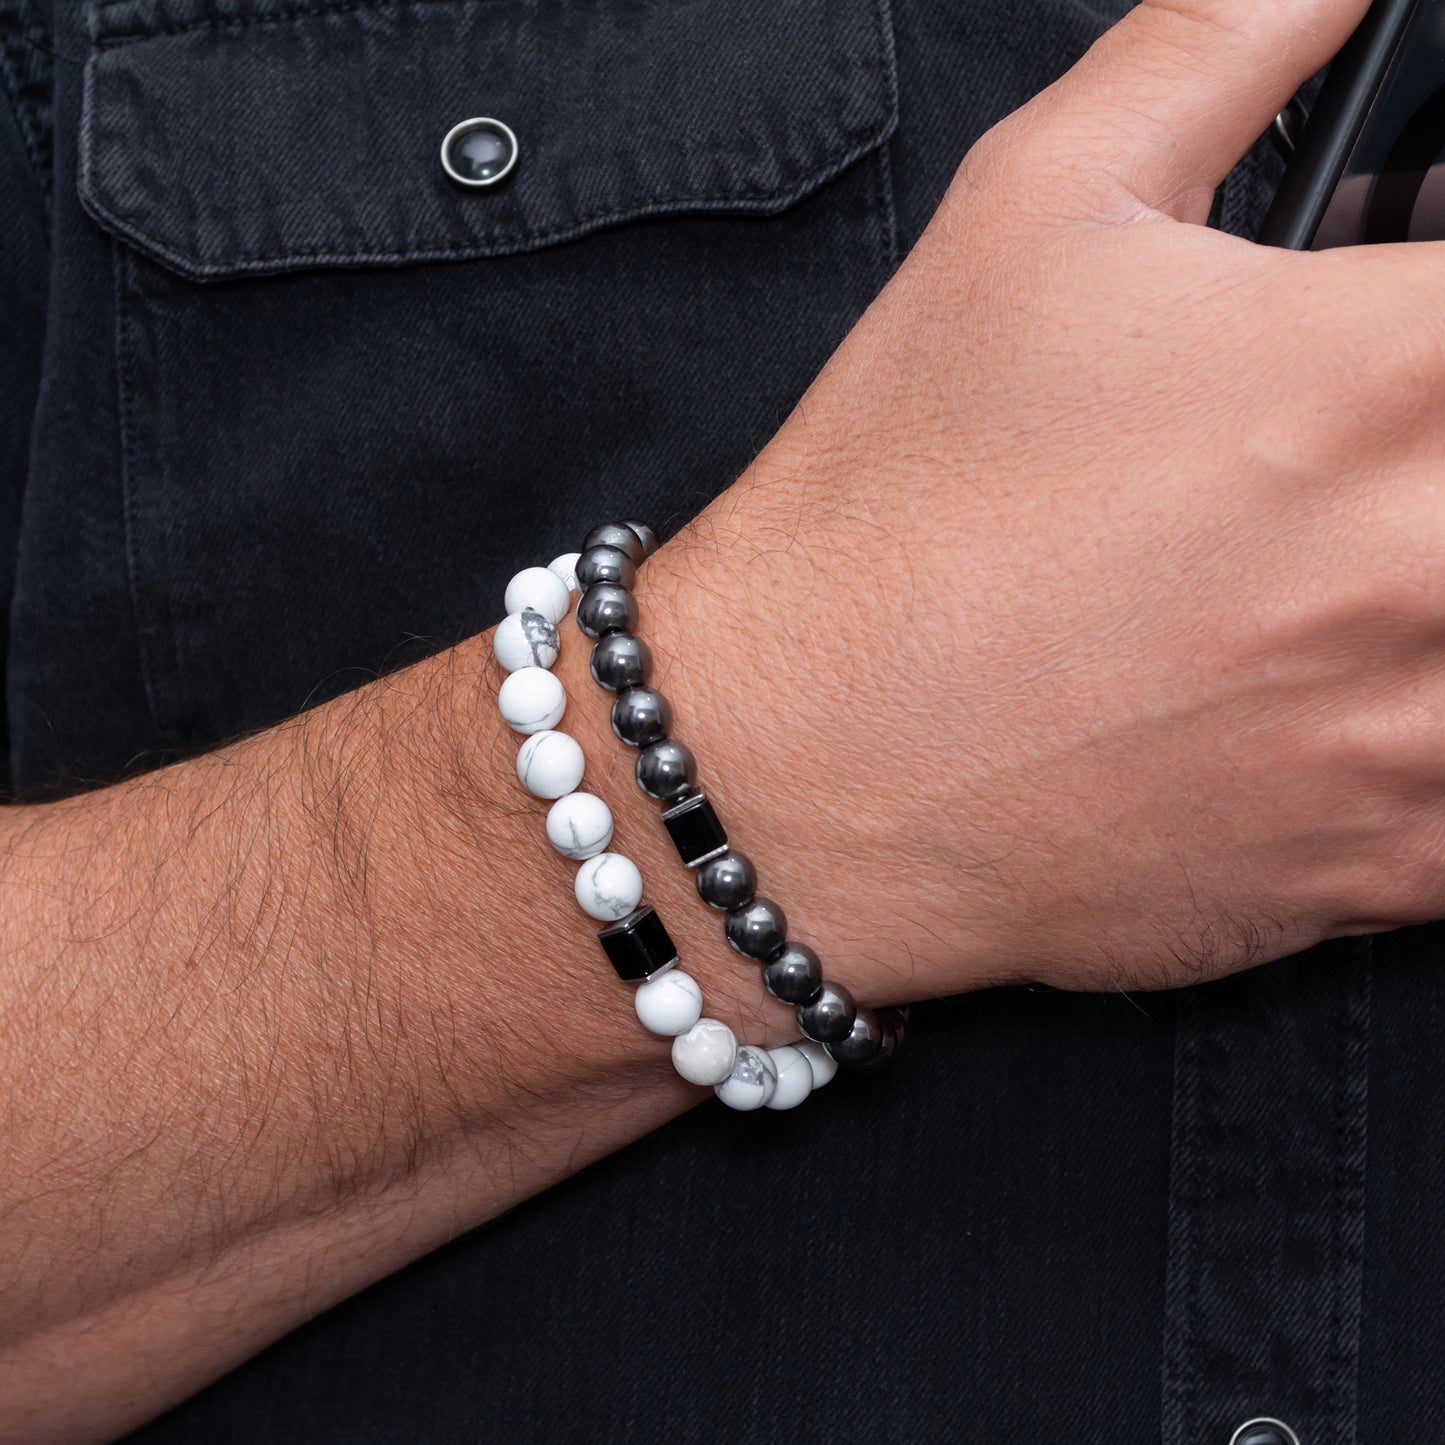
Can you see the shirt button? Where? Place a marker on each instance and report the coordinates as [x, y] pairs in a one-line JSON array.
[[1264, 1432], [479, 152]]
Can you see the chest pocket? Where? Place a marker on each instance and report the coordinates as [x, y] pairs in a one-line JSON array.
[[355, 394], [260, 137]]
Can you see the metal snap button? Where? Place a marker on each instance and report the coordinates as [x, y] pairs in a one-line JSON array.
[[479, 152], [1264, 1431]]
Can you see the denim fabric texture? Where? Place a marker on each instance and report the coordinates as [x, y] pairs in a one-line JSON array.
[[25, 89], [615, 124], [283, 408]]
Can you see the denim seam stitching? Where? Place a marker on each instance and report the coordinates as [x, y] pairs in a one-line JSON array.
[[281, 17], [883, 18], [520, 242], [10, 83], [126, 388], [1178, 1404], [1345, 1250]]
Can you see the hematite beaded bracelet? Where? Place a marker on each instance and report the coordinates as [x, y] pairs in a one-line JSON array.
[[859, 1037], [608, 886]]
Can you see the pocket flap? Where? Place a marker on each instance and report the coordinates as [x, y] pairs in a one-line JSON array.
[[253, 136]]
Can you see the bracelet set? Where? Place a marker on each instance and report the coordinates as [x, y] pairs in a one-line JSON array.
[[609, 887]]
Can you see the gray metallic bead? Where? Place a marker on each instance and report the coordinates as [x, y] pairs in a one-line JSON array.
[[606, 608], [645, 535], [892, 1041], [727, 881], [895, 1019], [829, 1017], [795, 975], [621, 660], [605, 564], [641, 716], [616, 534], [758, 929], [862, 1048], [666, 770]]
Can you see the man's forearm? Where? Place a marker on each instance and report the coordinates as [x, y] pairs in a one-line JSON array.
[[277, 1020]]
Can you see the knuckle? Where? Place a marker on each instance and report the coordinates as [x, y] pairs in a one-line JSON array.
[[1026, 172], [1199, 22], [1386, 841], [1402, 369], [1413, 598], [1405, 883], [989, 178], [1401, 541], [988, 158], [1363, 337], [1422, 871], [1386, 759]]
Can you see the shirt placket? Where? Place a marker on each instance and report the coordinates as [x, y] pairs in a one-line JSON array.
[[1266, 1208]]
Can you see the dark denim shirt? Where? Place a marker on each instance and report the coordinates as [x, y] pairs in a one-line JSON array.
[[282, 407]]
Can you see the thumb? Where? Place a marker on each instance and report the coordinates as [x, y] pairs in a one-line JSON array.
[[1165, 103]]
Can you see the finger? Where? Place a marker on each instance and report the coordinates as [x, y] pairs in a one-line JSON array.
[[1386, 298], [1165, 103]]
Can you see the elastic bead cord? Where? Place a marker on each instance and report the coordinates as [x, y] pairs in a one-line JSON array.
[[608, 886], [835, 1027]]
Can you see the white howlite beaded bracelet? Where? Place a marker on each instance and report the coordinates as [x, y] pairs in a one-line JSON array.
[[608, 885], [756, 927]]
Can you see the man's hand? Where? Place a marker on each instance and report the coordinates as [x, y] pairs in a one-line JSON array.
[[1083, 624], [1125, 539]]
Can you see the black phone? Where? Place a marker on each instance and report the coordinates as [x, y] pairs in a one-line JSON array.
[[1369, 161]]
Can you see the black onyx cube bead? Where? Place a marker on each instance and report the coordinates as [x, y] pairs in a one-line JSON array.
[[695, 830], [638, 946]]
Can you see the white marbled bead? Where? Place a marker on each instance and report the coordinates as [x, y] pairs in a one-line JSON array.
[[753, 1079], [565, 567], [669, 1004], [579, 826], [525, 639], [531, 700], [608, 887], [550, 764], [540, 589], [795, 1077], [820, 1061], [705, 1054]]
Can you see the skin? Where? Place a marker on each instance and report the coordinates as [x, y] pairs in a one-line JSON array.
[[1112, 555]]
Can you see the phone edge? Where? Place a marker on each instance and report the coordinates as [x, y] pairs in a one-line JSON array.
[[1334, 125]]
